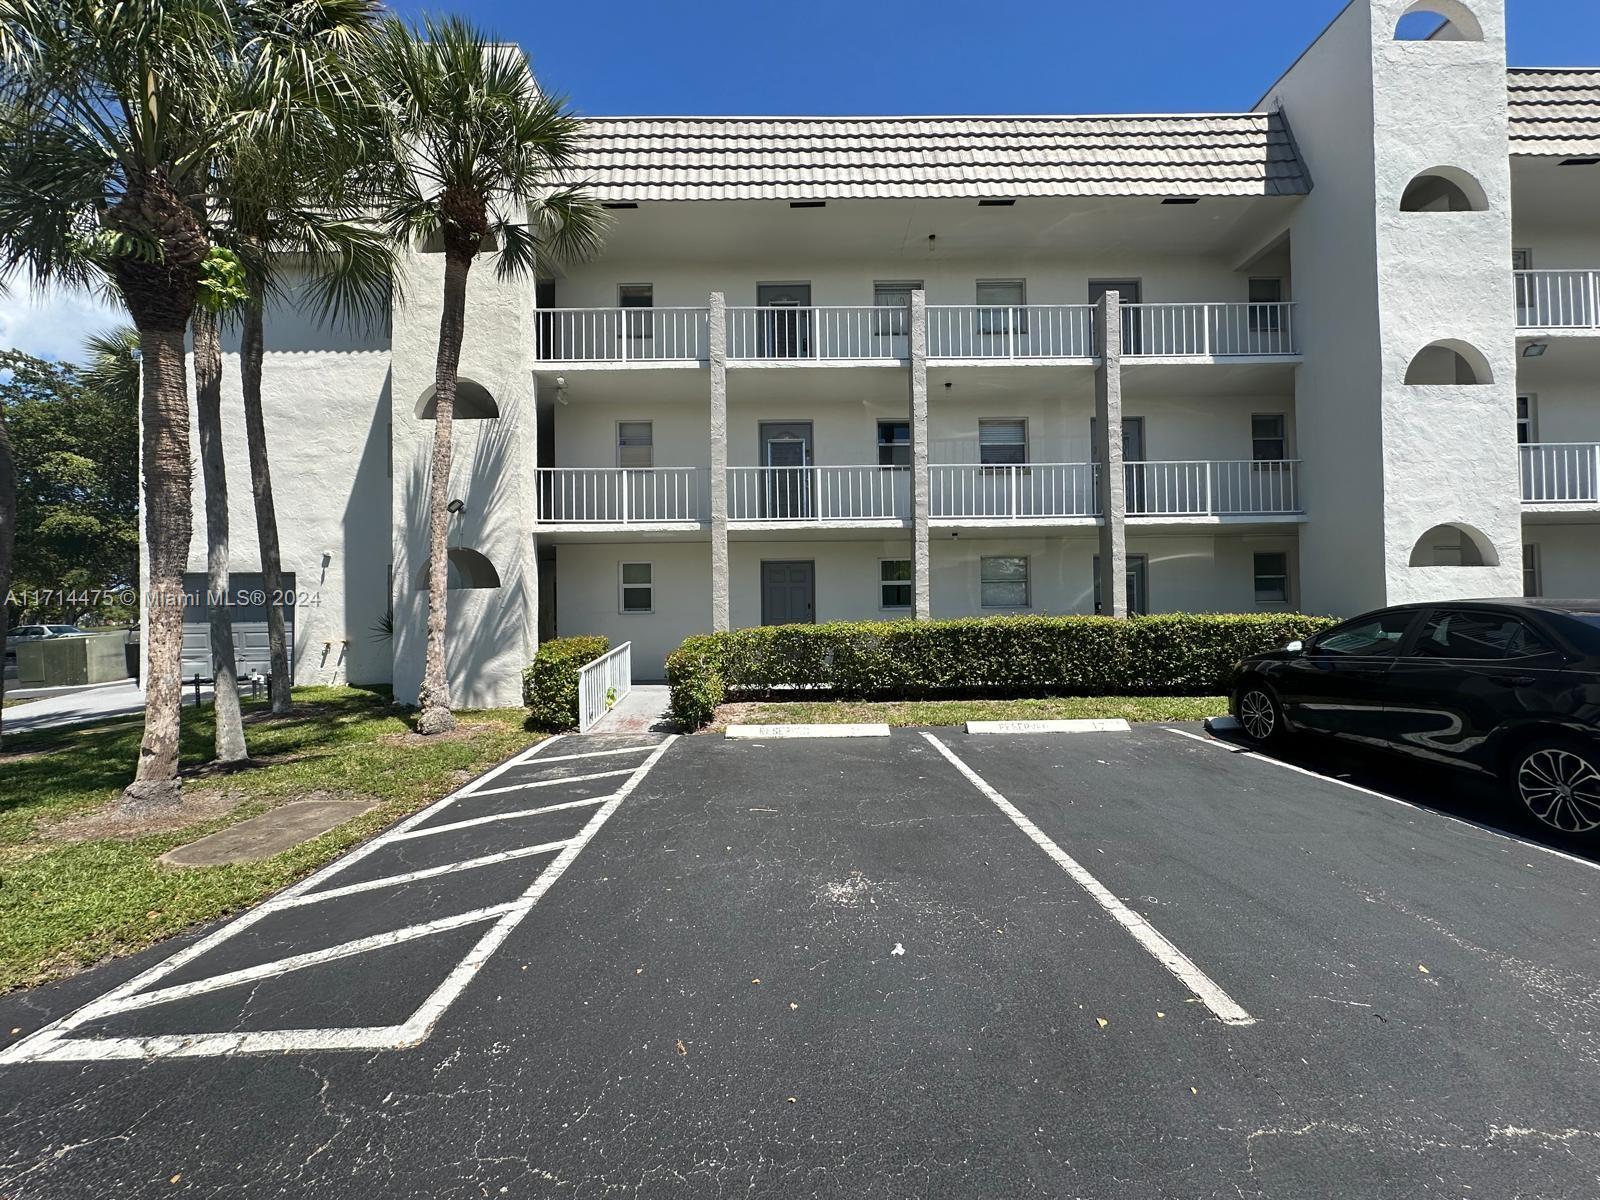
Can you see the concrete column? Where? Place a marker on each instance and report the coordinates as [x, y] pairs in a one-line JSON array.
[[921, 582], [1108, 453], [717, 341]]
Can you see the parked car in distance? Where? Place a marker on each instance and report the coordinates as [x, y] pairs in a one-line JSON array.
[[35, 633], [1508, 688]]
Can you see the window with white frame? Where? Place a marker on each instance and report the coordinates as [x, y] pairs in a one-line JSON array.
[[1268, 437], [638, 591], [1001, 306], [894, 583], [1532, 585], [894, 443], [1002, 443], [1003, 581], [894, 297], [636, 444], [1272, 578]]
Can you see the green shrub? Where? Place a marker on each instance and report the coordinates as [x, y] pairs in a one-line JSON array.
[[1036, 656], [550, 685]]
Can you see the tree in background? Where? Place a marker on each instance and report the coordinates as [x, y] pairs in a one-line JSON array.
[[477, 154]]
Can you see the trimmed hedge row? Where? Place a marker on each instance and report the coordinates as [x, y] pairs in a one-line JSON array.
[[889, 660], [550, 685]]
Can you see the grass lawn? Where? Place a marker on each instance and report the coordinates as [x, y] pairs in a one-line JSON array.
[[77, 887], [8, 702], [956, 712]]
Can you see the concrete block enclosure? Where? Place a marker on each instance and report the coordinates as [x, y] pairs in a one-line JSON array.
[[1332, 353]]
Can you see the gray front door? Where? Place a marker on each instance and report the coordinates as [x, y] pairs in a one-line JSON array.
[[786, 331], [786, 475], [788, 593]]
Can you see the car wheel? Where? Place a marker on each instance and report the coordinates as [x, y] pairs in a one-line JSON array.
[[1559, 784], [1259, 714]]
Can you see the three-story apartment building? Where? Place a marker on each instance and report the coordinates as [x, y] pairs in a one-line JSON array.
[[1331, 353]]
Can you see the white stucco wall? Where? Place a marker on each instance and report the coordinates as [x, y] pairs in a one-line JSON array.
[[588, 596]]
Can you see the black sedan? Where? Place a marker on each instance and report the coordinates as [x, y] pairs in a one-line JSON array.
[[1509, 688]]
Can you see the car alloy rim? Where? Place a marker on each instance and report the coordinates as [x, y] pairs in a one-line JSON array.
[[1256, 715], [1562, 789]]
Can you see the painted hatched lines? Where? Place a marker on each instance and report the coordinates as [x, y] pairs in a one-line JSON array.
[[539, 783], [54, 1042], [1159, 948], [428, 831]]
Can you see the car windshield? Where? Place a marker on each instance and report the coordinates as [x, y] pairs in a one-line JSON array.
[[64, 629]]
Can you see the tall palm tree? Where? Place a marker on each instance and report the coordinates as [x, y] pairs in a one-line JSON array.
[[479, 157], [8, 535], [109, 115]]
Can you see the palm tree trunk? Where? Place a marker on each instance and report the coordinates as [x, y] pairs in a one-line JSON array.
[[168, 523], [8, 532], [251, 352], [230, 747], [435, 716]]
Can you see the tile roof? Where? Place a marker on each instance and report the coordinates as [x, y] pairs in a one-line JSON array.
[[1554, 111], [802, 158]]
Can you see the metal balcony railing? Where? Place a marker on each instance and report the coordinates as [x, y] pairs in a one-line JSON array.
[[1208, 330], [623, 495], [1014, 491], [1209, 488], [1558, 299], [622, 335], [859, 493], [1060, 331], [818, 333], [1561, 473]]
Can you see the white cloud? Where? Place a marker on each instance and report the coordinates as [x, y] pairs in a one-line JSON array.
[[53, 324]]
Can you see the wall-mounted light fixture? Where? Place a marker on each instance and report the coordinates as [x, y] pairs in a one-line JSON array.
[[1535, 349], [454, 507]]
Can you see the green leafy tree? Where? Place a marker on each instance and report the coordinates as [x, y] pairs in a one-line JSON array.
[[478, 155]]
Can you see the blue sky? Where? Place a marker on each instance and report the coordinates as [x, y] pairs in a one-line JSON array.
[[846, 56]]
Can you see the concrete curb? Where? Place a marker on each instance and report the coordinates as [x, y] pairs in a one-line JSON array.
[[1083, 725], [772, 732], [1221, 725]]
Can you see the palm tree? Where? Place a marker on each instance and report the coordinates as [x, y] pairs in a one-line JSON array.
[[478, 156], [110, 118], [8, 534]]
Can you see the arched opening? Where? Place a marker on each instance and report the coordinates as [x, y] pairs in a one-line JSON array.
[[465, 570], [473, 403], [1454, 546], [1438, 21], [1444, 189], [1449, 362]]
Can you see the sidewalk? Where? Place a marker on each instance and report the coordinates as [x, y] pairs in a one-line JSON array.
[[124, 698], [642, 710]]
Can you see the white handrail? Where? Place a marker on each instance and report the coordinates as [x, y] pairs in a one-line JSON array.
[[1212, 488], [603, 683], [1558, 299], [622, 495], [1208, 330], [622, 334], [849, 493], [1013, 491], [818, 332], [1560, 472], [1006, 332]]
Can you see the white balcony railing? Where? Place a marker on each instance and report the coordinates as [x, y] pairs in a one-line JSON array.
[[623, 496], [1024, 331], [864, 493], [1561, 473], [818, 333], [1200, 489], [1208, 330], [1558, 299], [1020, 491], [622, 335], [602, 683]]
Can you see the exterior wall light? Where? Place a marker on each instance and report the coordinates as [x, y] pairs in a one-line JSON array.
[[1535, 349]]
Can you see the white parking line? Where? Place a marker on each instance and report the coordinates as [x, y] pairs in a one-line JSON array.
[[430, 830], [1241, 752], [53, 1043], [539, 783], [1163, 951], [372, 885], [554, 758]]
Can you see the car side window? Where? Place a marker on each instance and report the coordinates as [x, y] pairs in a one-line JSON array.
[[1477, 637], [1377, 636]]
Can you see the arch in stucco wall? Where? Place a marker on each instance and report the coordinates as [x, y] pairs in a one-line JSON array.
[[465, 570], [1456, 23], [1449, 361], [1444, 189], [474, 402], [1454, 544]]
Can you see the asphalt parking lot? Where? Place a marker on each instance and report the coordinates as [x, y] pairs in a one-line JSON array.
[[1139, 964]]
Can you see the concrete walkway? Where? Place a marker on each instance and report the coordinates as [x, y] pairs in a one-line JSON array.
[[642, 710], [124, 698]]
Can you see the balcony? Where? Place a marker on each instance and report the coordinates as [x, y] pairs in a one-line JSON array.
[[858, 495], [1212, 489], [819, 334], [1208, 331], [1036, 332], [1015, 492], [1561, 474], [595, 496], [1558, 301], [623, 336]]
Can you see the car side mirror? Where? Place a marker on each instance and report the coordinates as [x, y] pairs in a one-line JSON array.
[[1295, 647]]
